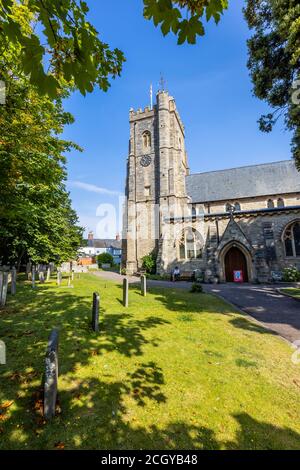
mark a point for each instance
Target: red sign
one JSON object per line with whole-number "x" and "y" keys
{"x": 238, "y": 276}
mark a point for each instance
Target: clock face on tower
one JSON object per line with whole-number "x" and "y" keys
{"x": 146, "y": 160}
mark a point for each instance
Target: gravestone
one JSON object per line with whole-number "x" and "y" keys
{"x": 4, "y": 289}
{"x": 41, "y": 277}
{"x": 59, "y": 278}
{"x": 33, "y": 277}
{"x": 48, "y": 274}
{"x": 13, "y": 286}
{"x": 2, "y": 353}
{"x": 144, "y": 285}
{"x": 28, "y": 268}
{"x": 125, "y": 292}
{"x": 51, "y": 376}
{"x": 1, "y": 285}
{"x": 95, "y": 311}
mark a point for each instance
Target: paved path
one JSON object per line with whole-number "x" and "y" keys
{"x": 276, "y": 311}
{"x": 134, "y": 280}
{"x": 264, "y": 303}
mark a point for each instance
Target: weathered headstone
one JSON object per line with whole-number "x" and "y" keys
{"x": 28, "y": 270}
{"x": 41, "y": 277}
{"x": 2, "y": 353}
{"x": 13, "y": 286}
{"x": 1, "y": 285}
{"x": 48, "y": 274}
{"x": 4, "y": 289}
{"x": 95, "y": 311}
{"x": 33, "y": 277}
{"x": 125, "y": 292}
{"x": 51, "y": 376}
{"x": 59, "y": 278}
{"x": 144, "y": 285}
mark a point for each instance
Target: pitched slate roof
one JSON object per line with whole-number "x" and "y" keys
{"x": 105, "y": 243}
{"x": 248, "y": 181}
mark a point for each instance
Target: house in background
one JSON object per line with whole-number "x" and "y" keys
{"x": 95, "y": 247}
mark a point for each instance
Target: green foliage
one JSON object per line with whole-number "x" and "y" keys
{"x": 60, "y": 47}
{"x": 149, "y": 263}
{"x": 67, "y": 52}
{"x": 274, "y": 62}
{"x": 105, "y": 258}
{"x": 291, "y": 274}
{"x": 36, "y": 218}
{"x": 196, "y": 288}
{"x": 184, "y": 17}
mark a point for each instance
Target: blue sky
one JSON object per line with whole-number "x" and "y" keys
{"x": 210, "y": 83}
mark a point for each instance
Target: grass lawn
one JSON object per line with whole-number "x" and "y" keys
{"x": 293, "y": 291}
{"x": 174, "y": 370}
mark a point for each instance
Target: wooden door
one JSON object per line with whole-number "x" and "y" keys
{"x": 235, "y": 260}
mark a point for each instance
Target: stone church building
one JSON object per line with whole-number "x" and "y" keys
{"x": 243, "y": 219}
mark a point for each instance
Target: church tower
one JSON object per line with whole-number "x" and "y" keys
{"x": 155, "y": 184}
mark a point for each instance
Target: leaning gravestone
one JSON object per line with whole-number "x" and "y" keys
{"x": 4, "y": 289}
{"x": 125, "y": 292}
{"x": 144, "y": 286}
{"x": 95, "y": 311}
{"x": 13, "y": 286}
{"x": 51, "y": 376}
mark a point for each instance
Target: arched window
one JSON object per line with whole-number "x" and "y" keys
{"x": 237, "y": 206}
{"x": 146, "y": 139}
{"x": 291, "y": 240}
{"x": 270, "y": 204}
{"x": 280, "y": 202}
{"x": 190, "y": 244}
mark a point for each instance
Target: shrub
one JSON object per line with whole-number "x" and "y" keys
{"x": 291, "y": 274}
{"x": 196, "y": 287}
{"x": 105, "y": 258}
{"x": 149, "y": 263}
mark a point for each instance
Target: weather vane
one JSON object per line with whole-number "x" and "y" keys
{"x": 162, "y": 83}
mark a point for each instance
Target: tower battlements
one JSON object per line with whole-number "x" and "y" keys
{"x": 163, "y": 102}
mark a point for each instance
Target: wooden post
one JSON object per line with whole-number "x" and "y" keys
{"x": 1, "y": 285}
{"x": 125, "y": 292}
{"x": 144, "y": 285}
{"x": 95, "y": 312}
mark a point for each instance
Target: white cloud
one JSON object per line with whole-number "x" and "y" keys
{"x": 93, "y": 188}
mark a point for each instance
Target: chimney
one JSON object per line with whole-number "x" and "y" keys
{"x": 90, "y": 238}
